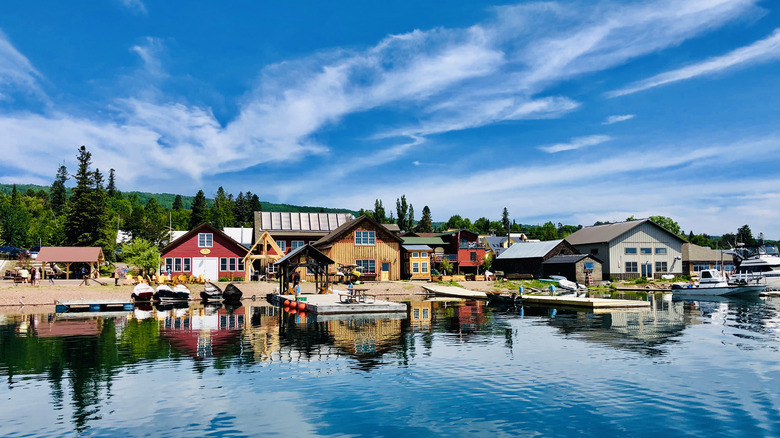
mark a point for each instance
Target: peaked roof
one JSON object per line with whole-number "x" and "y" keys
{"x": 200, "y": 228}
{"x": 309, "y": 250}
{"x": 569, "y": 258}
{"x": 607, "y": 232}
{"x": 349, "y": 226}
{"x": 70, "y": 254}
{"x": 300, "y": 222}
{"x": 528, "y": 250}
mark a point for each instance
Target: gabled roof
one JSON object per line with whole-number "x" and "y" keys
{"x": 495, "y": 242}
{"x": 414, "y": 240}
{"x": 300, "y": 222}
{"x": 528, "y": 250}
{"x": 392, "y": 227}
{"x": 608, "y": 232}
{"x": 199, "y": 229}
{"x": 351, "y": 225}
{"x": 310, "y": 251}
{"x": 242, "y": 235}
{"x": 70, "y": 254}
{"x": 569, "y": 258}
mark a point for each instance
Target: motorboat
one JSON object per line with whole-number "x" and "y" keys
{"x": 165, "y": 293}
{"x": 762, "y": 261}
{"x": 565, "y": 283}
{"x": 142, "y": 292}
{"x": 712, "y": 282}
{"x": 211, "y": 292}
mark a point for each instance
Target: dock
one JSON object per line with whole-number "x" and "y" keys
{"x": 589, "y": 303}
{"x": 93, "y": 305}
{"x": 324, "y": 304}
{"x": 452, "y": 291}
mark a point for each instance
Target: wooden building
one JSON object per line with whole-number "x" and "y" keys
{"x": 631, "y": 249}
{"x": 466, "y": 250}
{"x": 525, "y": 259}
{"x": 205, "y": 251}
{"x": 367, "y": 244}
{"x": 292, "y": 230}
{"x": 580, "y": 268}
{"x": 696, "y": 258}
{"x": 89, "y": 257}
{"x": 416, "y": 262}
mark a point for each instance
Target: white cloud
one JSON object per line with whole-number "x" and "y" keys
{"x": 617, "y": 118}
{"x": 763, "y": 50}
{"x": 576, "y": 143}
{"x": 16, "y": 71}
{"x": 149, "y": 52}
{"x": 136, "y": 6}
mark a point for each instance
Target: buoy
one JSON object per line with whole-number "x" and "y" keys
{"x": 286, "y": 308}
{"x": 302, "y": 314}
{"x": 293, "y": 311}
{"x": 286, "y": 302}
{"x": 301, "y": 306}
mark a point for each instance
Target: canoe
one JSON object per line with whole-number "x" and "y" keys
{"x": 165, "y": 293}
{"x": 452, "y": 291}
{"x": 211, "y": 292}
{"x": 142, "y": 292}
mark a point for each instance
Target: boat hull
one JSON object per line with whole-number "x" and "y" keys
{"x": 752, "y": 290}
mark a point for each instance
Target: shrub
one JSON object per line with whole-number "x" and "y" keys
{"x": 238, "y": 278}
{"x": 224, "y": 279}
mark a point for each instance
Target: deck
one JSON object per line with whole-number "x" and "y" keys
{"x": 590, "y": 303}
{"x": 323, "y": 304}
{"x": 93, "y": 305}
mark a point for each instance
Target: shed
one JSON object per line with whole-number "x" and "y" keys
{"x": 309, "y": 257}
{"x": 90, "y": 255}
{"x": 526, "y": 258}
{"x": 580, "y": 268}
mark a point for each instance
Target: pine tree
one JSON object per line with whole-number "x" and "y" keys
{"x": 505, "y": 220}
{"x": 58, "y": 197}
{"x": 379, "y": 213}
{"x": 222, "y": 210}
{"x": 87, "y": 218}
{"x": 426, "y": 224}
{"x": 254, "y": 205}
{"x": 111, "y": 190}
{"x": 411, "y": 218}
{"x": 177, "y": 203}
{"x": 402, "y": 209}
{"x": 200, "y": 212}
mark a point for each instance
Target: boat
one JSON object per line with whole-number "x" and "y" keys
{"x": 211, "y": 292}
{"x": 142, "y": 292}
{"x": 565, "y": 283}
{"x": 232, "y": 293}
{"x": 452, "y": 291}
{"x": 498, "y": 299}
{"x": 165, "y": 293}
{"x": 711, "y": 283}
{"x": 762, "y": 261}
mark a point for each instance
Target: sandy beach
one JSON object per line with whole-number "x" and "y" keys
{"x": 37, "y": 299}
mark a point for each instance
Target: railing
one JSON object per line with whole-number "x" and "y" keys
{"x": 450, "y": 257}
{"x": 472, "y": 245}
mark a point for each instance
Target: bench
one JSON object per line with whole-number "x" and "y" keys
{"x": 17, "y": 280}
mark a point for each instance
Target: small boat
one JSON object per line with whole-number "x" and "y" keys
{"x": 165, "y": 293}
{"x": 711, "y": 282}
{"x": 142, "y": 292}
{"x": 211, "y": 292}
{"x": 565, "y": 283}
{"x": 232, "y": 293}
{"x": 497, "y": 299}
{"x": 452, "y": 291}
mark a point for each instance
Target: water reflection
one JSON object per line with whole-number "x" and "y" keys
{"x": 81, "y": 356}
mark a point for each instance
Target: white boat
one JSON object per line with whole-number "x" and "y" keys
{"x": 763, "y": 261}
{"x": 452, "y": 291}
{"x": 564, "y": 283}
{"x": 711, "y": 282}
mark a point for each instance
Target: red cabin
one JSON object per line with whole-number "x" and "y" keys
{"x": 204, "y": 251}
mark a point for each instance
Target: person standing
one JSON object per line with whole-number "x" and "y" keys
{"x": 36, "y": 275}
{"x": 25, "y": 274}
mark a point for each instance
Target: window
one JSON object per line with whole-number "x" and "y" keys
{"x": 223, "y": 264}
{"x": 205, "y": 240}
{"x": 187, "y": 267}
{"x": 177, "y": 265}
{"x": 282, "y": 244}
{"x": 424, "y": 267}
{"x": 415, "y": 255}
{"x": 232, "y": 264}
{"x": 661, "y": 267}
{"x": 168, "y": 264}
{"x": 365, "y": 238}
{"x": 295, "y": 244}
{"x": 368, "y": 265}
{"x": 240, "y": 264}
{"x": 473, "y": 256}
{"x": 630, "y": 250}
{"x": 415, "y": 268}
{"x": 631, "y": 266}
{"x": 589, "y": 266}
{"x": 594, "y": 251}
{"x": 423, "y": 255}
{"x": 425, "y": 313}
{"x": 272, "y": 268}
{"x": 416, "y": 314}
{"x": 660, "y": 251}
{"x": 645, "y": 250}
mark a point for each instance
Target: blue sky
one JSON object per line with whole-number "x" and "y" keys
{"x": 572, "y": 111}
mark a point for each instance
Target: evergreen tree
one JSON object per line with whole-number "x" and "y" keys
{"x": 111, "y": 190}
{"x": 86, "y": 223}
{"x": 222, "y": 210}
{"x": 426, "y": 224}
{"x": 379, "y": 213}
{"x": 402, "y": 209}
{"x": 155, "y": 225}
{"x": 411, "y": 218}
{"x": 505, "y": 220}
{"x": 200, "y": 212}
{"x": 254, "y": 205}
{"x": 58, "y": 197}
{"x": 177, "y": 203}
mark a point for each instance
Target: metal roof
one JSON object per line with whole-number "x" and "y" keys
{"x": 529, "y": 250}
{"x": 70, "y": 254}
{"x": 310, "y": 251}
{"x": 292, "y": 221}
{"x": 417, "y": 247}
{"x": 412, "y": 240}
{"x": 568, "y": 258}
{"x": 495, "y": 242}
{"x": 607, "y": 232}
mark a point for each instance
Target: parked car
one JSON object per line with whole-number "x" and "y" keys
{"x": 34, "y": 252}
{"x": 12, "y": 252}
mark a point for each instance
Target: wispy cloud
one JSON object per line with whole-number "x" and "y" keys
{"x": 576, "y": 143}
{"x": 17, "y": 74}
{"x": 764, "y": 50}
{"x": 149, "y": 52}
{"x": 618, "y": 118}
{"x": 135, "y": 6}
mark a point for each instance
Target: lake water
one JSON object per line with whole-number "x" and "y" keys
{"x": 702, "y": 368}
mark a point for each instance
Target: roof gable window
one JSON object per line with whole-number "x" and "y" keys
{"x": 205, "y": 240}
{"x": 365, "y": 238}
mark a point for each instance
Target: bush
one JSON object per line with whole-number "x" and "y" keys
{"x": 224, "y": 279}
{"x": 238, "y": 278}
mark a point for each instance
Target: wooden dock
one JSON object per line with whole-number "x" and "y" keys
{"x": 93, "y": 305}
{"x": 590, "y": 303}
{"x": 323, "y": 304}
{"x": 455, "y": 292}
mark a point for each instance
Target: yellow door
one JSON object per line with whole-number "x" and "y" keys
{"x": 385, "y": 272}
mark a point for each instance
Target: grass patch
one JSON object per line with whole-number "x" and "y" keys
{"x": 449, "y": 283}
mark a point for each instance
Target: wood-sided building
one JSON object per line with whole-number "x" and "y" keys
{"x": 292, "y": 230}
{"x": 205, "y": 251}
{"x": 367, "y": 244}
{"x": 525, "y": 259}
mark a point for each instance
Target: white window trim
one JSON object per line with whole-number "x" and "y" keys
{"x": 207, "y": 243}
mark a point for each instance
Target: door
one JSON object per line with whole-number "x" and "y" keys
{"x": 647, "y": 270}
{"x": 385, "y": 271}
{"x": 206, "y": 266}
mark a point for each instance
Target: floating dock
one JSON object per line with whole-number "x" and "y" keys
{"x": 590, "y": 303}
{"x": 455, "y": 292}
{"x": 93, "y": 305}
{"x": 324, "y": 304}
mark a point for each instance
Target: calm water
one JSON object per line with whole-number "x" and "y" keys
{"x": 681, "y": 369}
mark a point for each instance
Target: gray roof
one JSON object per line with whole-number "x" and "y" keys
{"x": 568, "y": 258}
{"x": 495, "y": 242}
{"x": 288, "y": 221}
{"x": 416, "y": 247}
{"x": 529, "y": 250}
{"x": 696, "y": 253}
{"x": 606, "y": 233}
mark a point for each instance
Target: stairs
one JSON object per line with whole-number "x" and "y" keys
{"x": 590, "y": 278}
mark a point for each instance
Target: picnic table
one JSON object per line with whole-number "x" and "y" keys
{"x": 357, "y": 295}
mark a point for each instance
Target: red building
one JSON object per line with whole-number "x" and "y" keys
{"x": 205, "y": 251}
{"x": 466, "y": 250}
